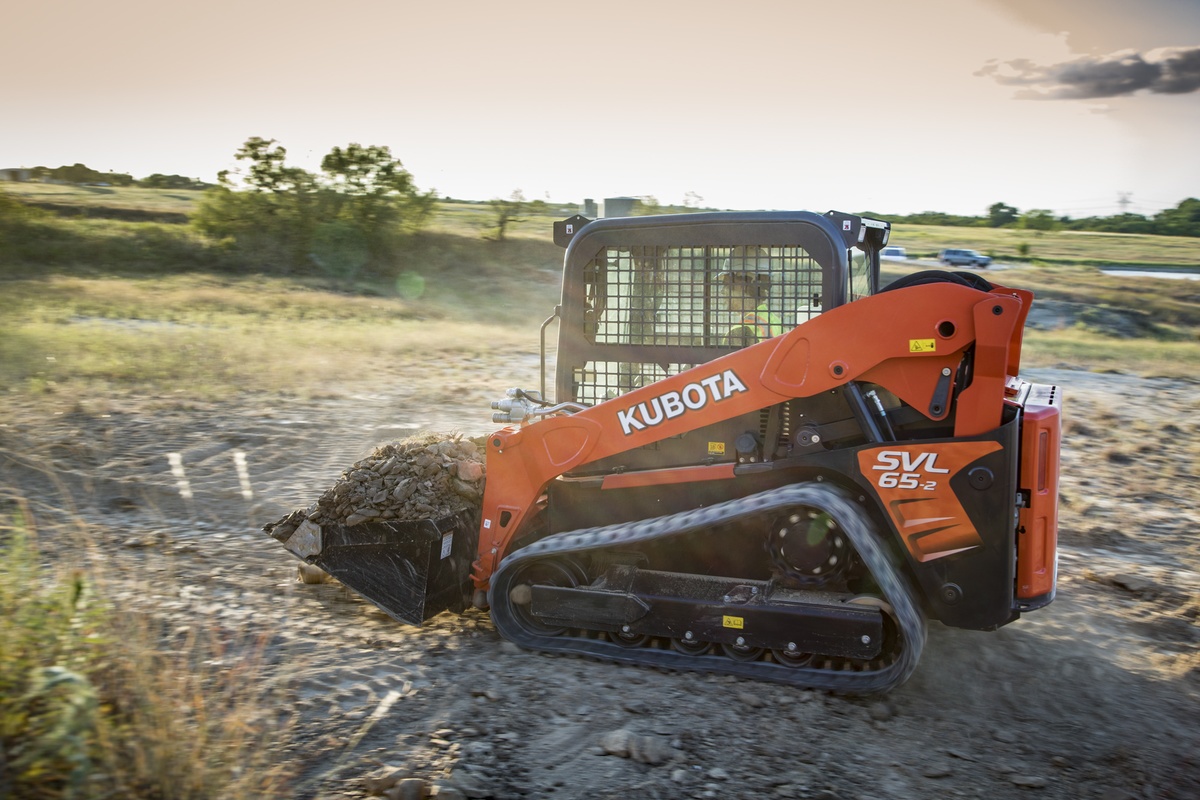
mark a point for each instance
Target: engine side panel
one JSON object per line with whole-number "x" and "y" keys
{"x": 951, "y": 506}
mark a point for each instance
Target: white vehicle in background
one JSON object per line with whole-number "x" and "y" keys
{"x": 893, "y": 253}
{"x": 964, "y": 258}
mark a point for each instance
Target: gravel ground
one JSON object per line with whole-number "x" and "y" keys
{"x": 1092, "y": 697}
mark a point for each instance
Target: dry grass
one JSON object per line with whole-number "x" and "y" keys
{"x": 1171, "y": 302}
{"x": 1081, "y": 349}
{"x": 194, "y": 714}
{"x": 214, "y": 337}
{"x": 475, "y": 220}
{"x": 176, "y": 201}
{"x": 103, "y": 700}
{"x": 222, "y": 360}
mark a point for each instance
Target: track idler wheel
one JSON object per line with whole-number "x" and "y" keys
{"x": 542, "y": 572}
{"x": 891, "y": 630}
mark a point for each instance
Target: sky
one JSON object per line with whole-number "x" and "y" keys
{"x": 1082, "y": 107}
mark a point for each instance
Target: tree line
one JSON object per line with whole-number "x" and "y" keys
{"x": 1183, "y": 220}
{"x": 82, "y": 174}
{"x": 362, "y": 200}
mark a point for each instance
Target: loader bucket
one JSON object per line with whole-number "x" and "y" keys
{"x": 411, "y": 570}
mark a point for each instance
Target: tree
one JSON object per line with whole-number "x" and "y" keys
{"x": 1119, "y": 223}
{"x": 647, "y": 205}
{"x": 1038, "y": 219}
{"x": 1001, "y": 214}
{"x": 940, "y": 218}
{"x": 370, "y": 189}
{"x": 160, "y": 181}
{"x": 267, "y": 171}
{"x": 267, "y": 209}
{"x": 507, "y": 211}
{"x": 367, "y": 186}
{"x": 77, "y": 173}
{"x": 368, "y": 173}
{"x": 1183, "y": 220}
{"x": 350, "y": 218}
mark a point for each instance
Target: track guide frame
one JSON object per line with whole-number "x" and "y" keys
{"x": 851, "y": 518}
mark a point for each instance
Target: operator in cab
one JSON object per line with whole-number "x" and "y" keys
{"x": 744, "y": 283}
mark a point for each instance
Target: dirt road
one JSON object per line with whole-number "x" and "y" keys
{"x": 1095, "y": 696}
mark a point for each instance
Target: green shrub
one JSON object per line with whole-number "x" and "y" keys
{"x": 47, "y": 707}
{"x": 96, "y": 702}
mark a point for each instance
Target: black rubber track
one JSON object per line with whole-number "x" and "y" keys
{"x": 851, "y": 518}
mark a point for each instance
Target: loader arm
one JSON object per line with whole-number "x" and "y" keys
{"x": 910, "y": 341}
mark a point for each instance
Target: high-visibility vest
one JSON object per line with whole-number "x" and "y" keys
{"x": 755, "y": 326}
{"x": 767, "y": 323}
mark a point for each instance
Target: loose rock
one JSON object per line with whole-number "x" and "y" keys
{"x": 640, "y": 748}
{"x": 469, "y": 785}
{"x": 383, "y": 779}
{"x": 881, "y": 711}
{"x": 447, "y": 791}
{"x": 408, "y": 789}
{"x": 416, "y": 478}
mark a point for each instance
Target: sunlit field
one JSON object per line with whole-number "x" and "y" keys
{"x": 179, "y": 201}
{"x": 210, "y": 339}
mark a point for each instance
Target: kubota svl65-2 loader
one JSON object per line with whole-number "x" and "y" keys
{"x": 756, "y": 462}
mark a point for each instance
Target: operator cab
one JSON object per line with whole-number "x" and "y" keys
{"x": 648, "y": 297}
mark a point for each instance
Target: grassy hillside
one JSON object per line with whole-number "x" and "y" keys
{"x": 181, "y": 201}
{"x": 111, "y": 306}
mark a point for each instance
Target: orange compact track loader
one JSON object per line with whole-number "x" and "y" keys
{"x": 757, "y": 462}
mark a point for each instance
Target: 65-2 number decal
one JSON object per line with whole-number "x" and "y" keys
{"x": 903, "y": 469}
{"x": 913, "y": 482}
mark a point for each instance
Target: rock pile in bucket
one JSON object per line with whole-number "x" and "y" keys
{"x": 424, "y": 476}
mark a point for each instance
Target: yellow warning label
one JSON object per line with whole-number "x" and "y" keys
{"x": 922, "y": 346}
{"x": 732, "y": 622}
{"x": 716, "y": 448}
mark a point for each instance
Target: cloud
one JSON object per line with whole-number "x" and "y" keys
{"x": 1165, "y": 70}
